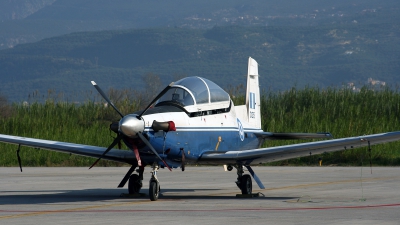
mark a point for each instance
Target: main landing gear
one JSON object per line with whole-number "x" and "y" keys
{"x": 243, "y": 182}
{"x": 135, "y": 183}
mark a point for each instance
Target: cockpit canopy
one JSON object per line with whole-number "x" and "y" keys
{"x": 195, "y": 91}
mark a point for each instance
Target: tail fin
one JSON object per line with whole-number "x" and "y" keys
{"x": 253, "y": 102}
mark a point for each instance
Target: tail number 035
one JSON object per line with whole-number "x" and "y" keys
{"x": 252, "y": 115}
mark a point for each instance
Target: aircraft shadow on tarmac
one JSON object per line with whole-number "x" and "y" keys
{"x": 69, "y": 196}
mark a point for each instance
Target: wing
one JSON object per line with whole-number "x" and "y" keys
{"x": 85, "y": 150}
{"x": 264, "y": 155}
{"x": 287, "y": 136}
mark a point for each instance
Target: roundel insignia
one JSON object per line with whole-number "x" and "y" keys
{"x": 241, "y": 131}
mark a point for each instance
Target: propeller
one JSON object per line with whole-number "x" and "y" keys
{"x": 152, "y": 149}
{"x": 116, "y": 141}
{"x": 131, "y": 126}
{"x": 114, "y": 128}
{"x": 156, "y": 98}
{"x": 106, "y": 98}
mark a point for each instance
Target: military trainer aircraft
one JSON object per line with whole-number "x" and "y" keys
{"x": 194, "y": 121}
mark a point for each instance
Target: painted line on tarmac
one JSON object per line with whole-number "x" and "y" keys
{"x": 329, "y": 183}
{"x": 315, "y": 184}
{"x": 34, "y": 213}
{"x": 81, "y": 209}
{"x": 88, "y": 209}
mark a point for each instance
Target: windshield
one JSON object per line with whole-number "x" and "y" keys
{"x": 179, "y": 95}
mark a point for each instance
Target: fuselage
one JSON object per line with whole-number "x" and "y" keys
{"x": 197, "y": 134}
{"x": 204, "y": 120}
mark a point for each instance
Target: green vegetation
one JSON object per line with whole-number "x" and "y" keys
{"x": 342, "y": 112}
{"x": 62, "y": 121}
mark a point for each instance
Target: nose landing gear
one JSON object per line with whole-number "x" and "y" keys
{"x": 154, "y": 184}
{"x": 135, "y": 183}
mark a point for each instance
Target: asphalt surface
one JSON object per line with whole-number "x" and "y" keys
{"x": 202, "y": 195}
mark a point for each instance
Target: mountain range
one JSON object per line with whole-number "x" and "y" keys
{"x": 119, "y": 42}
{"x": 24, "y": 21}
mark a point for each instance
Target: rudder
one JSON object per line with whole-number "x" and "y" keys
{"x": 253, "y": 102}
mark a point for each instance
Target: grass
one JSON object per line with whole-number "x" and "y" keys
{"x": 85, "y": 124}
{"x": 342, "y": 112}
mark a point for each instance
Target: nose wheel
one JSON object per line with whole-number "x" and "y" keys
{"x": 154, "y": 190}
{"x": 154, "y": 184}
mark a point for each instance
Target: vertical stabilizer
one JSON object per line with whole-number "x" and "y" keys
{"x": 253, "y": 95}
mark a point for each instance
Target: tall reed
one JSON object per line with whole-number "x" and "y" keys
{"x": 86, "y": 123}
{"x": 342, "y": 112}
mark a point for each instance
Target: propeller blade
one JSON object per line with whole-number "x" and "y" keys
{"x": 152, "y": 149}
{"x": 106, "y": 98}
{"x": 156, "y": 98}
{"x": 126, "y": 177}
{"x": 116, "y": 140}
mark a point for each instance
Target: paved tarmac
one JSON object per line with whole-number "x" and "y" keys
{"x": 202, "y": 195}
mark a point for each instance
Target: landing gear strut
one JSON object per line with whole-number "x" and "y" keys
{"x": 154, "y": 185}
{"x": 243, "y": 182}
{"x": 135, "y": 182}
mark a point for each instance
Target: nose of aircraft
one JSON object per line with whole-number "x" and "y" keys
{"x": 130, "y": 125}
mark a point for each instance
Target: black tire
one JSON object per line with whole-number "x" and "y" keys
{"x": 134, "y": 184}
{"x": 154, "y": 190}
{"x": 246, "y": 185}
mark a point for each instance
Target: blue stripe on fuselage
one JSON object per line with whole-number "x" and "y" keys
{"x": 196, "y": 141}
{"x": 253, "y": 130}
